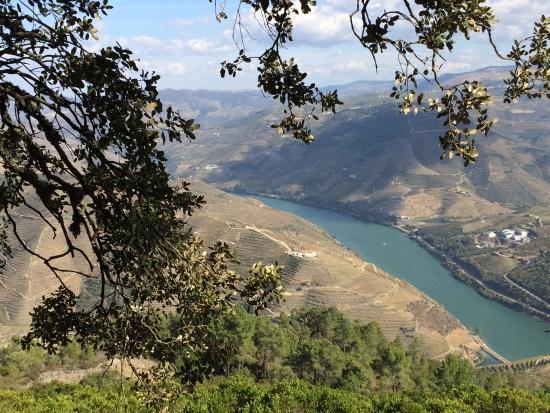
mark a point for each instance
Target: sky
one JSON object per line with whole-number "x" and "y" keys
{"x": 182, "y": 41}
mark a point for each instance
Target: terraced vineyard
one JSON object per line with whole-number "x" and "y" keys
{"x": 14, "y": 279}
{"x": 25, "y": 279}
{"x": 334, "y": 277}
{"x": 331, "y": 276}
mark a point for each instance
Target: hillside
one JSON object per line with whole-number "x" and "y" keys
{"x": 368, "y": 157}
{"x": 335, "y": 277}
{"x": 371, "y": 162}
{"x": 25, "y": 279}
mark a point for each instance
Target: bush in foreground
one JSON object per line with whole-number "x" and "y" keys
{"x": 241, "y": 394}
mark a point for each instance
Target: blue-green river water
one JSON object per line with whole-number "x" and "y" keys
{"x": 514, "y": 335}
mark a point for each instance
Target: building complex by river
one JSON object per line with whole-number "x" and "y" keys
{"x": 512, "y": 334}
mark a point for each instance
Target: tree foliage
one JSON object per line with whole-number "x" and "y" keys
{"x": 240, "y": 394}
{"x": 322, "y": 347}
{"x": 422, "y": 34}
{"x": 314, "y": 357}
{"x": 80, "y": 132}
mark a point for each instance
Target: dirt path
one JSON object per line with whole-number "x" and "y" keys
{"x": 263, "y": 232}
{"x": 536, "y": 297}
{"x": 256, "y": 229}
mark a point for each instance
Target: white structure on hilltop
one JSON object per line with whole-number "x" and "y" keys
{"x": 517, "y": 235}
{"x": 486, "y": 240}
{"x": 303, "y": 253}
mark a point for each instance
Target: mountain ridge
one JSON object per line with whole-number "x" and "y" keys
{"x": 369, "y": 160}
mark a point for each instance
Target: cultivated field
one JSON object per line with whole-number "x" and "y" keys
{"x": 25, "y": 279}
{"x": 335, "y": 277}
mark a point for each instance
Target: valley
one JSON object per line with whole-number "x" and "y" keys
{"x": 320, "y": 272}
{"x": 372, "y": 163}
{"x": 274, "y": 206}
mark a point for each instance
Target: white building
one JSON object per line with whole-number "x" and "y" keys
{"x": 507, "y": 233}
{"x": 521, "y": 232}
{"x": 517, "y": 235}
{"x": 303, "y": 253}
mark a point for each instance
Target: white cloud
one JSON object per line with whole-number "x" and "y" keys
{"x": 199, "y": 45}
{"x": 148, "y": 41}
{"x": 328, "y": 23}
{"x": 516, "y": 17}
{"x": 324, "y": 43}
{"x": 456, "y": 66}
{"x": 191, "y": 22}
{"x": 352, "y": 66}
{"x": 175, "y": 68}
{"x": 323, "y": 71}
{"x": 324, "y": 25}
{"x": 152, "y": 46}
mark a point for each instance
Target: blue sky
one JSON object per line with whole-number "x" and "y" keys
{"x": 183, "y": 42}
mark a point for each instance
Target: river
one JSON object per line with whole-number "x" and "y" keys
{"x": 512, "y": 334}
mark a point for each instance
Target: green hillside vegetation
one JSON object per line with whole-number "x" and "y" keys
{"x": 313, "y": 360}
{"x": 321, "y": 346}
{"x": 238, "y": 394}
{"x": 529, "y": 275}
{"x": 520, "y": 272}
{"x": 19, "y": 368}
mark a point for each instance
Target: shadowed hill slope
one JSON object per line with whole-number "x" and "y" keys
{"x": 369, "y": 157}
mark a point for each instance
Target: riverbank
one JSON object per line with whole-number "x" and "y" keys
{"x": 459, "y": 272}
{"x": 512, "y": 334}
{"x": 333, "y": 275}
{"x": 494, "y": 354}
{"x": 456, "y": 268}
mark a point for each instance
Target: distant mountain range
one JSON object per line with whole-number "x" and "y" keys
{"x": 213, "y": 107}
{"x": 371, "y": 158}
